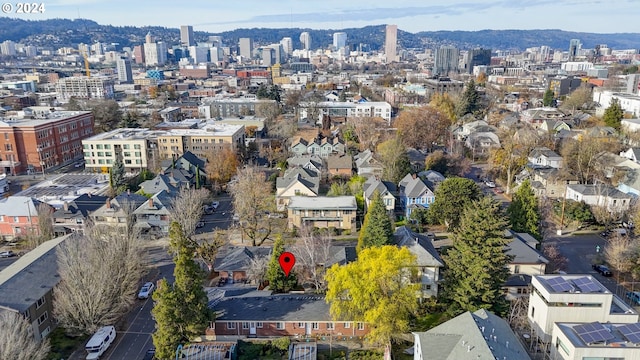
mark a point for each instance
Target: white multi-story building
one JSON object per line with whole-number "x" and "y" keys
{"x": 8, "y": 48}
{"x": 84, "y": 87}
{"x": 123, "y": 67}
{"x": 155, "y": 53}
{"x": 595, "y": 340}
{"x": 287, "y": 45}
{"x": 573, "y": 66}
{"x": 339, "y": 40}
{"x": 629, "y": 102}
{"x": 345, "y": 109}
{"x": 573, "y": 298}
{"x": 136, "y": 146}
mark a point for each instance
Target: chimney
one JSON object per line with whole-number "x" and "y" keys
{"x": 128, "y": 192}
{"x": 150, "y": 203}
{"x": 416, "y": 239}
{"x": 65, "y": 206}
{"x": 108, "y": 203}
{"x": 413, "y": 176}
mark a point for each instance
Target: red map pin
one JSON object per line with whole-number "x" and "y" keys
{"x": 287, "y": 260}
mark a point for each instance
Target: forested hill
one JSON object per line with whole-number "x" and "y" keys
{"x": 66, "y": 32}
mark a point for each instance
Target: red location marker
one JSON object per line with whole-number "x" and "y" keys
{"x": 287, "y": 260}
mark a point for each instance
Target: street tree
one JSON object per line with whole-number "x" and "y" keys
{"x": 117, "y": 181}
{"x": 423, "y": 127}
{"x": 446, "y": 105}
{"x": 579, "y": 99}
{"x": 377, "y": 228}
{"x": 469, "y": 101}
{"x": 279, "y": 282}
{"x": 509, "y": 159}
{"x": 452, "y": 195}
{"x": 17, "y": 341}
{"x": 222, "y": 164}
{"x": 187, "y": 207}
{"x": 557, "y": 261}
{"x": 44, "y": 231}
{"x": 252, "y": 200}
{"x": 580, "y": 157}
{"x": 180, "y": 309}
{"x": 547, "y": 98}
{"x": 524, "y": 212}
{"x": 618, "y": 255}
{"x": 375, "y": 289}
{"x": 110, "y": 260}
{"x": 394, "y": 158}
{"x": 207, "y": 250}
{"x": 477, "y": 262}
{"x": 106, "y": 114}
{"x": 367, "y": 130}
{"x": 313, "y": 251}
{"x": 613, "y": 114}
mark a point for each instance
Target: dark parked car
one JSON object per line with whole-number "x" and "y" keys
{"x": 150, "y": 355}
{"x": 602, "y": 269}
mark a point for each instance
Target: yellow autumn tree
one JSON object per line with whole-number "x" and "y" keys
{"x": 377, "y": 289}
{"x": 221, "y": 165}
{"x": 445, "y": 105}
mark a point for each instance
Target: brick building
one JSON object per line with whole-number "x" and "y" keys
{"x": 18, "y": 216}
{"x": 41, "y": 137}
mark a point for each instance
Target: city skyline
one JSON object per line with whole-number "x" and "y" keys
{"x": 594, "y": 16}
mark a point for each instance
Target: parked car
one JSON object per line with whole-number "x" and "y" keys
{"x": 634, "y": 296}
{"x": 79, "y": 164}
{"x": 199, "y": 224}
{"x": 7, "y": 254}
{"x": 490, "y": 184}
{"x": 146, "y": 290}
{"x": 215, "y": 204}
{"x": 150, "y": 354}
{"x": 602, "y": 269}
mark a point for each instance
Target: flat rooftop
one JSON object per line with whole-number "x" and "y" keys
{"x": 67, "y": 187}
{"x": 209, "y": 128}
{"x": 30, "y": 118}
{"x": 558, "y": 284}
{"x": 125, "y": 134}
{"x": 617, "y": 335}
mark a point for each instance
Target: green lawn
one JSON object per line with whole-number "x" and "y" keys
{"x": 62, "y": 346}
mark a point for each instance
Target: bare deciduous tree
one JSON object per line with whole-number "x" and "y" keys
{"x": 99, "y": 275}
{"x": 617, "y": 254}
{"x": 367, "y": 129}
{"x": 17, "y": 341}
{"x": 187, "y": 208}
{"x": 208, "y": 250}
{"x": 45, "y": 221}
{"x": 556, "y": 260}
{"x": 257, "y": 271}
{"x": 312, "y": 253}
{"x": 518, "y": 313}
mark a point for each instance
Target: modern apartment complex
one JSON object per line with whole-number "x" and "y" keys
{"x": 208, "y": 137}
{"x": 225, "y": 107}
{"x": 84, "y": 88}
{"x": 134, "y": 145}
{"x": 38, "y": 137}
{"x": 309, "y": 111}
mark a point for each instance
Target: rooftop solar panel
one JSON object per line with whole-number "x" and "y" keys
{"x": 631, "y": 332}
{"x": 559, "y": 284}
{"x": 587, "y": 285}
{"x": 593, "y": 333}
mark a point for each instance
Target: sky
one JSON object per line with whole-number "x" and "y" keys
{"x": 597, "y": 16}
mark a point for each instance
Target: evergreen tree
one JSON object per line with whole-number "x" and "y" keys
{"x": 377, "y": 229}
{"x": 180, "y": 309}
{"x": 197, "y": 178}
{"x": 523, "y": 211}
{"x": 452, "y": 195}
{"x": 278, "y": 281}
{"x": 547, "y": 99}
{"x": 477, "y": 263}
{"x": 469, "y": 101}
{"x": 613, "y": 114}
{"x": 116, "y": 176}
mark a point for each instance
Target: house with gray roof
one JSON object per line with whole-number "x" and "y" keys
{"x": 387, "y": 190}
{"x": 477, "y": 335}
{"x": 297, "y": 181}
{"x": 153, "y": 217}
{"x": 160, "y": 183}
{"x": 612, "y": 199}
{"x": 115, "y": 211}
{"x": 543, "y": 157}
{"x": 26, "y": 286}
{"x": 310, "y": 162}
{"x": 431, "y": 177}
{"x": 234, "y": 262}
{"x": 73, "y": 216}
{"x": 525, "y": 258}
{"x": 337, "y": 212}
{"x": 428, "y": 259}
{"x": 366, "y": 164}
{"x": 414, "y": 193}
{"x": 18, "y": 216}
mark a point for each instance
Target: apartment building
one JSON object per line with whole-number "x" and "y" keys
{"x": 209, "y": 136}
{"x": 84, "y": 88}
{"x": 214, "y": 107}
{"x": 596, "y": 340}
{"x": 136, "y": 146}
{"x": 574, "y": 299}
{"x": 314, "y": 112}
{"x": 39, "y": 137}
{"x": 323, "y": 212}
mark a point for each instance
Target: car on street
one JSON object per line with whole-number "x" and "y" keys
{"x": 7, "y": 254}
{"x": 634, "y": 296}
{"x": 200, "y": 224}
{"x": 150, "y": 354}
{"x": 78, "y": 164}
{"x": 490, "y": 184}
{"x": 602, "y": 269}
{"x": 146, "y": 290}
{"x": 215, "y": 204}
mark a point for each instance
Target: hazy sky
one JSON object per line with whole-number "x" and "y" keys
{"x": 599, "y": 16}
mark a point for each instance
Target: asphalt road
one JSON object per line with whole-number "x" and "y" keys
{"x": 221, "y": 217}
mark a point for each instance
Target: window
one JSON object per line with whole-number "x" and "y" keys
{"x": 127, "y": 154}
{"x": 99, "y": 146}
{"x": 16, "y": 219}
{"x": 279, "y": 326}
{"x": 259, "y": 325}
{"x": 137, "y": 146}
{"x": 231, "y": 325}
{"x": 301, "y": 325}
{"x": 426, "y": 287}
{"x": 43, "y": 318}
{"x": 516, "y": 269}
{"x": 315, "y": 326}
{"x": 330, "y": 326}
{"x": 245, "y": 325}
{"x": 533, "y": 311}
{"x": 8, "y": 147}
{"x": 360, "y": 326}
{"x": 6, "y": 136}
{"x": 347, "y": 325}
{"x": 125, "y": 146}
{"x": 40, "y": 302}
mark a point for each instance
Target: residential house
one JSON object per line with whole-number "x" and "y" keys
{"x": 632, "y": 153}
{"x": 276, "y": 315}
{"x": 340, "y": 165}
{"x": 431, "y": 177}
{"x": 187, "y": 161}
{"x": 73, "y": 216}
{"x": 26, "y": 286}
{"x": 414, "y": 193}
{"x": 117, "y": 211}
{"x": 517, "y": 286}
{"x": 544, "y": 157}
{"x": 462, "y": 132}
{"x": 477, "y": 335}
{"x": 367, "y": 164}
{"x": 153, "y": 217}
{"x": 296, "y": 182}
{"x": 310, "y": 162}
{"x": 596, "y": 340}
{"x": 387, "y": 190}
{"x": 550, "y": 182}
{"x": 611, "y": 164}
{"x": 526, "y": 260}
{"x": 321, "y": 146}
{"x": 184, "y": 170}
{"x": 416, "y": 159}
{"x": 554, "y": 126}
{"x": 482, "y": 142}
{"x": 630, "y": 183}
{"x": 613, "y": 200}
{"x": 323, "y": 212}
{"x": 160, "y": 183}
{"x": 428, "y": 260}
{"x": 18, "y": 216}
{"x": 341, "y": 255}
{"x": 537, "y": 116}
{"x": 235, "y": 262}
{"x": 573, "y": 298}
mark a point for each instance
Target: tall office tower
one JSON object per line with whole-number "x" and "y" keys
{"x": 162, "y": 53}
{"x": 8, "y": 47}
{"x": 138, "y": 54}
{"x": 475, "y": 57}
{"x": 446, "y": 60}
{"x": 339, "y": 40}
{"x": 246, "y": 47}
{"x": 198, "y": 54}
{"x": 545, "y": 53}
{"x": 84, "y": 49}
{"x": 268, "y": 56}
{"x": 30, "y": 51}
{"x": 216, "y": 40}
{"x": 148, "y": 38}
{"x": 96, "y": 49}
{"x": 287, "y": 45}
{"x": 186, "y": 35}
{"x": 390, "y": 43}
{"x": 305, "y": 39}
{"x": 574, "y": 48}
{"x": 155, "y": 54}
{"x": 216, "y": 54}
{"x": 123, "y": 67}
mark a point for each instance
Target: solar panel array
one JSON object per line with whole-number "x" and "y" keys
{"x": 631, "y": 332}
{"x": 559, "y": 284}
{"x": 593, "y": 333}
{"x": 587, "y": 285}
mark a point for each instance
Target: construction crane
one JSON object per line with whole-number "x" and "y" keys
{"x": 86, "y": 64}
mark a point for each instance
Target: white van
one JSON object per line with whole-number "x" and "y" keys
{"x": 100, "y": 342}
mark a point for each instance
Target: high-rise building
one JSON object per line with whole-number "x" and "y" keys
{"x": 246, "y": 47}
{"x": 268, "y": 56}
{"x": 155, "y": 53}
{"x": 123, "y": 67}
{"x": 287, "y": 45}
{"x": 216, "y": 54}
{"x": 574, "y": 48}
{"x": 390, "y": 43}
{"x": 198, "y": 54}
{"x": 446, "y": 60}
{"x": 186, "y": 35}
{"x": 8, "y": 48}
{"x": 216, "y": 40}
{"x": 97, "y": 49}
{"x": 339, "y": 40}
{"x": 83, "y": 87}
{"x": 305, "y": 39}
{"x": 475, "y": 57}
{"x": 148, "y": 38}
{"x": 138, "y": 54}
{"x": 30, "y": 51}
